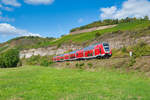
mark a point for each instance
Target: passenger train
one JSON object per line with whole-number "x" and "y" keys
{"x": 99, "y": 50}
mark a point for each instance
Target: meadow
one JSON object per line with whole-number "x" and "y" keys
{"x": 47, "y": 83}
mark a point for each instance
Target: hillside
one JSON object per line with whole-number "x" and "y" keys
{"x": 25, "y": 43}
{"x": 124, "y": 34}
{"x": 87, "y": 37}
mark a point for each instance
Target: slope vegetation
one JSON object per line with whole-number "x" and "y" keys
{"x": 90, "y": 36}
{"x": 25, "y": 43}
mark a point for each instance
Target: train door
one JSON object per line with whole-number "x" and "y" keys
{"x": 97, "y": 51}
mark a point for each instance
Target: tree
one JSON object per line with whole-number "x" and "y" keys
{"x": 146, "y": 18}
{"x": 10, "y": 58}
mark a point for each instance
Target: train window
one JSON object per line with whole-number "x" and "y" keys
{"x": 100, "y": 50}
{"x": 77, "y": 54}
{"x": 105, "y": 44}
{"x": 107, "y": 48}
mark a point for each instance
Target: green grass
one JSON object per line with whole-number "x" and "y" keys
{"x": 44, "y": 83}
{"x": 79, "y": 38}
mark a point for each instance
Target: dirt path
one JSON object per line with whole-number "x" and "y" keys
{"x": 93, "y": 29}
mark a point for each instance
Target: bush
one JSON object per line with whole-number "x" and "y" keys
{"x": 38, "y": 60}
{"x": 90, "y": 65}
{"x": 97, "y": 34}
{"x": 148, "y": 27}
{"x": 77, "y": 65}
{"x": 132, "y": 61}
{"x": 124, "y": 49}
{"x": 67, "y": 64}
{"x": 141, "y": 49}
{"x": 9, "y": 59}
{"x": 34, "y": 60}
{"x": 82, "y": 64}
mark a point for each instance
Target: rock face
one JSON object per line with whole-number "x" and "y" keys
{"x": 48, "y": 51}
{"x": 122, "y": 39}
{"x": 116, "y": 40}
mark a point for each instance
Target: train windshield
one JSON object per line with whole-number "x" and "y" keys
{"x": 106, "y": 46}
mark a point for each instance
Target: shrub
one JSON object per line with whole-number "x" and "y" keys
{"x": 82, "y": 64}
{"x": 38, "y": 60}
{"x": 132, "y": 61}
{"x": 59, "y": 45}
{"x": 77, "y": 65}
{"x": 97, "y": 34}
{"x": 34, "y": 60}
{"x": 67, "y": 64}
{"x": 124, "y": 49}
{"x": 90, "y": 65}
{"x": 141, "y": 49}
{"x": 148, "y": 27}
{"x": 44, "y": 62}
{"x": 9, "y": 59}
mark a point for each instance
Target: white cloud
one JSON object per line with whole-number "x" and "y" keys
{"x": 11, "y": 2}
{"x": 37, "y": 2}
{"x": 130, "y": 8}
{"x": 6, "y": 8}
{"x": 8, "y": 30}
{"x": 80, "y": 20}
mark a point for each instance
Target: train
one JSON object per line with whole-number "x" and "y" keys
{"x": 99, "y": 50}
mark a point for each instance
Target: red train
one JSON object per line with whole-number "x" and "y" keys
{"x": 99, "y": 50}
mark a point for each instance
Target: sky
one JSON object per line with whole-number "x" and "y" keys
{"x": 53, "y": 18}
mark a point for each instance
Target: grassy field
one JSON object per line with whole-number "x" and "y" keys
{"x": 45, "y": 83}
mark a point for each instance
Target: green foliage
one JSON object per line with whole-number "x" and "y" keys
{"x": 59, "y": 45}
{"x": 146, "y": 18}
{"x": 90, "y": 65}
{"x": 67, "y": 64}
{"x": 124, "y": 49}
{"x": 82, "y": 64}
{"x": 79, "y": 65}
{"x": 3, "y": 48}
{"x": 10, "y": 58}
{"x": 132, "y": 61}
{"x": 97, "y": 34}
{"x": 148, "y": 27}
{"x": 38, "y": 60}
{"x": 141, "y": 49}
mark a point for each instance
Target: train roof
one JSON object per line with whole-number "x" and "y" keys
{"x": 89, "y": 47}
{"x": 72, "y": 52}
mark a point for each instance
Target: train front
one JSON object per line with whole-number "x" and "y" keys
{"x": 108, "y": 51}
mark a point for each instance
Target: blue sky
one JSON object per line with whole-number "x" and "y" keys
{"x": 53, "y": 18}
